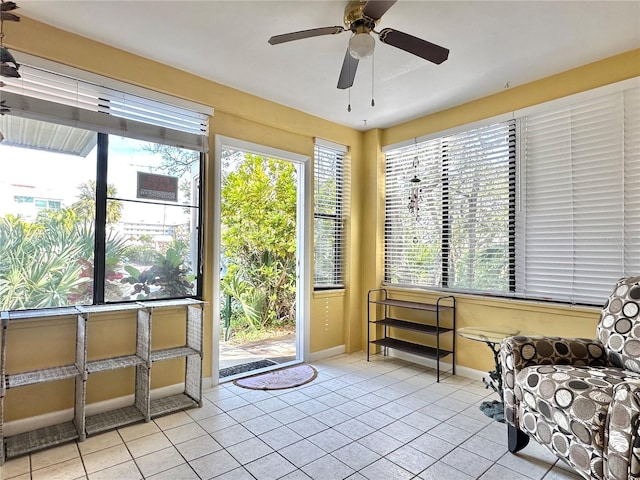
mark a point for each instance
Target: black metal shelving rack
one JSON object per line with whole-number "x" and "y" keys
{"x": 431, "y": 327}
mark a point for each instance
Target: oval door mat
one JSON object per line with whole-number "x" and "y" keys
{"x": 279, "y": 379}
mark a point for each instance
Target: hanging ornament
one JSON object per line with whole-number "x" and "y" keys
{"x": 414, "y": 195}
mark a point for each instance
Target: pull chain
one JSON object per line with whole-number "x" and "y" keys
{"x": 349, "y": 107}
{"x": 373, "y": 78}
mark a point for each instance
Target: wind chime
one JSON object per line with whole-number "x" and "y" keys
{"x": 415, "y": 190}
{"x": 8, "y": 65}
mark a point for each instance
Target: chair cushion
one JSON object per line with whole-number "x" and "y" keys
{"x": 619, "y": 326}
{"x": 565, "y": 408}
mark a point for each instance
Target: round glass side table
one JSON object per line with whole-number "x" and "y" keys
{"x": 492, "y": 338}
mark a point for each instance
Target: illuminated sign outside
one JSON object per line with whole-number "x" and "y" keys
{"x": 157, "y": 187}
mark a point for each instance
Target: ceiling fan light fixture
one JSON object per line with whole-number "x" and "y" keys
{"x": 361, "y": 45}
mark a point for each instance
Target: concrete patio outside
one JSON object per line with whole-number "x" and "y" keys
{"x": 280, "y": 349}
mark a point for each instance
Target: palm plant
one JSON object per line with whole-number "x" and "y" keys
{"x": 38, "y": 266}
{"x": 168, "y": 277}
{"x": 249, "y": 299}
{"x": 116, "y": 250}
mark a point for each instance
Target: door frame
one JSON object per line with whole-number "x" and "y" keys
{"x": 303, "y": 220}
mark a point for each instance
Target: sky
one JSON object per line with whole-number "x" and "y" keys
{"x": 58, "y": 175}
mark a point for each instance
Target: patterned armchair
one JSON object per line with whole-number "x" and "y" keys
{"x": 579, "y": 397}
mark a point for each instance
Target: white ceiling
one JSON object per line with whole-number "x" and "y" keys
{"x": 492, "y": 43}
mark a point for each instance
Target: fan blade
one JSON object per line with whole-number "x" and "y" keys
{"x": 348, "y": 72}
{"x": 427, "y": 50}
{"x": 9, "y": 17}
{"x": 314, "y": 32}
{"x": 375, "y": 9}
{"x": 6, "y": 6}
{"x": 8, "y": 71}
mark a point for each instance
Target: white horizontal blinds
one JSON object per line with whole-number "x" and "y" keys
{"x": 571, "y": 242}
{"x": 632, "y": 182}
{"x": 127, "y": 115}
{"x": 330, "y": 213}
{"x": 413, "y": 238}
{"x": 480, "y": 171}
{"x": 459, "y": 233}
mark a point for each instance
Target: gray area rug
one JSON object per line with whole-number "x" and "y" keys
{"x": 245, "y": 367}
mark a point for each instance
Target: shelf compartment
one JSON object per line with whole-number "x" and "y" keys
{"x": 414, "y": 348}
{"x": 102, "y": 422}
{"x": 40, "y": 439}
{"x": 113, "y": 363}
{"x": 169, "y": 353}
{"x": 173, "y": 403}
{"x": 41, "y": 376}
{"x": 416, "y": 327}
{"x": 427, "y": 307}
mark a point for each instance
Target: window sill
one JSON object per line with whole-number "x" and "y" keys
{"x": 502, "y": 302}
{"x": 338, "y": 292}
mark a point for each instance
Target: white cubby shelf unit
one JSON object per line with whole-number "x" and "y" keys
{"x": 144, "y": 408}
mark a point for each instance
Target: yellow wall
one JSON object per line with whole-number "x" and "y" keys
{"x": 337, "y": 318}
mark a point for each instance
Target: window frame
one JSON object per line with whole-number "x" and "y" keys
{"x": 101, "y": 226}
{"x": 59, "y": 95}
{"x": 338, "y": 218}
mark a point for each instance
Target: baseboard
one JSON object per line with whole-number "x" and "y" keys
{"x": 53, "y": 418}
{"x": 462, "y": 371}
{"x": 329, "y": 352}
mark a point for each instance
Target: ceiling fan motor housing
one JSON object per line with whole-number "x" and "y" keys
{"x": 355, "y": 20}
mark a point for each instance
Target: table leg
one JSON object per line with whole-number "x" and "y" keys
{"x": 494, "y": 408}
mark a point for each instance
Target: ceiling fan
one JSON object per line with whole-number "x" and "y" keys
{"x": 361, "y": 18}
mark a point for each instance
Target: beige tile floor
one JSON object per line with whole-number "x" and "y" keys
{"x": 379, "y": 420}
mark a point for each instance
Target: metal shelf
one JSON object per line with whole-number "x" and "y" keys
{"x": 416, "y": 327}
{"x": 428, "y": 307}
{"x": 414, "y": 348}
{"x": 430, "y": 323}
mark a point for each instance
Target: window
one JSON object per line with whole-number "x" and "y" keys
{"x": 330, "y": 193}
{"x": 449, "y": 211}
{"x": 580, "y": 198}
{"x": 562, "y": 226}
{"x": 101, "y": 195}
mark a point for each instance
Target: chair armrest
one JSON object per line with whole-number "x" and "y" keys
{"x": 622, "y": 446}
{"x": 519, "y": 352}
